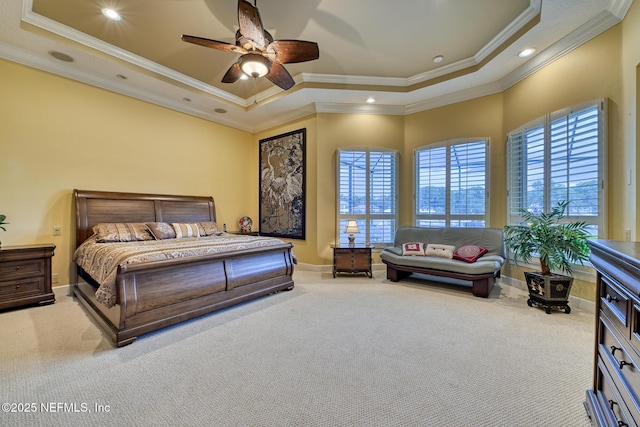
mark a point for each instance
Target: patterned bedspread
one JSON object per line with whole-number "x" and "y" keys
{"x": 101, "y": 260}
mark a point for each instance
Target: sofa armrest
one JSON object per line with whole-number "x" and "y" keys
{"x": 393, "y": 250}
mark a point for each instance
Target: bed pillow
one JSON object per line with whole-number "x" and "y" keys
{"x": 440, "y": 250}
{"x": 469, "y": 253}
{"x": 161, "y": 230}
{"x": 185, "y": 229}
{"x": 121, "y": 232}
{"x": 208, "y": 228}
{"x": 413, "y": 249}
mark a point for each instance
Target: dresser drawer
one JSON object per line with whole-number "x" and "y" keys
{"x": 12, "y": 288}
{"x": 18, "y": 269}
{"x": 615, "y": 303}
{"x": 621, "y": 362}
{"x": 612, "y": 403}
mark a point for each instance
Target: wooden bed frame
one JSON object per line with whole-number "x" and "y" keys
{"x": 153, "y": 295}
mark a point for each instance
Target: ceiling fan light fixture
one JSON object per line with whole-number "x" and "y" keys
{"x": 255, "y": 66}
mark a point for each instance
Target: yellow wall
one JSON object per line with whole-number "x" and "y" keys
{"x": 340, "y": 131}
{"x": 57, "y": 135}
{"x": 478, "y": 118}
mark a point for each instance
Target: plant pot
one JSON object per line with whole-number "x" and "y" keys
{"x": 551, "y": 291}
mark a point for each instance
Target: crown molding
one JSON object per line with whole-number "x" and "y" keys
{"x": 453, "y": 98}
{"x": 69, "y": 33}
{"x": 339, "y": 108}
{"x": 594, "y": 27}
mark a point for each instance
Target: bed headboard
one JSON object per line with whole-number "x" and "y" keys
{"x": 94, "y": 207}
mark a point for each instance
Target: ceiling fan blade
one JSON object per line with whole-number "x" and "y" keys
{"x": 213, "y": 44}
{"x": 233, "y": 74}
{"x": 290, "y": 51}
{"x": 280, "y": 76}
{"x": 251, "y": 24}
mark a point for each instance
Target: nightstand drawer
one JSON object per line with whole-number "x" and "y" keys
{"x": 25, "y": 275}
{"x": 18, "y": 269}
{"x": 23, "y": 286}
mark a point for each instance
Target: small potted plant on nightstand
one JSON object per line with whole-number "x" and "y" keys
{"x": 2, "y": 218}
{"x": 558, "y": 246}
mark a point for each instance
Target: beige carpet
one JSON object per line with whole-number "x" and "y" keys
{"x": 333, "y": 352}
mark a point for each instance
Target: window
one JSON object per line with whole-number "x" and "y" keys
{"x": 367, "y": 192}
{"x": 560, "y": 157}
{"x": 451, "y": 184}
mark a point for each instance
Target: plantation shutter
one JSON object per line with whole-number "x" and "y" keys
{"x": 560, "y": 157}
{"x": 467, "y": 180}
{"x": 451, "y": 185}
{"x": 574, "y": 162}
{"x": 367, "y": 188}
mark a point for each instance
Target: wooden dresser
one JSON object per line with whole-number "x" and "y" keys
{"x": 615, "y": 397}
{"x": 352, "y": 258}
{"x": 25, "y": 275}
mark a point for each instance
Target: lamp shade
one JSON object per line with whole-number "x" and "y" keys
{"x": 254, "y": 65}
{"x": 352, "y": 227}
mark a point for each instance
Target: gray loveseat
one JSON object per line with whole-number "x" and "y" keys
{"x": 481, "y": 273}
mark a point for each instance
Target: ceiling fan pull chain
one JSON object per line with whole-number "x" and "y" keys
{"x": 255, "y": 94}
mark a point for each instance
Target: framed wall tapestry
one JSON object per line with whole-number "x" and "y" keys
{"x": 282, "y": 185}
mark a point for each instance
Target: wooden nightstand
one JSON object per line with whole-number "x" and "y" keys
{"x": 355, "y": 258}
{"x": 25, "y": 275}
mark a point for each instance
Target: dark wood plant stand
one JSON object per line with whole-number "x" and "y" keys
{"x": 551, "y": 291}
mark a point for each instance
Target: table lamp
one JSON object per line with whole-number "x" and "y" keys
{"x": 352, "y": 227}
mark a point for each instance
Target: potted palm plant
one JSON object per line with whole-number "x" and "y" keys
{"x": 558, "y": 245}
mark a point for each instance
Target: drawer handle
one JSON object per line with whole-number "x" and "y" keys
{"x": 622, "y": 363}
{"x": 610, "y": 298}
{"x": 620, "y": 423}
{"x": 18, "y": 268}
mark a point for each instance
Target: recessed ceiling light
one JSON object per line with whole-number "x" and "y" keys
{"x": 371, "y": 100}
{"x": 526, "y": 52}
{"x": 220, "y": 110}
{"x": 111, "y": 14}
{"x": 61, "y": 56}
{"x": 438, "y": 58}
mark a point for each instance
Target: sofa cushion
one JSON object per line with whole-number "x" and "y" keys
{"x": 413, "y": 249}
{"x": 440, "y": 250}
{"x": 469, "y": 253}
{"x": 483, "y": 266}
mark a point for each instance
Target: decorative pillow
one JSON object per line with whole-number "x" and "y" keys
{"x": 440, "y": 250}
{"x": 161, "y": 230}
{"x": 121, "y": 232}
{"x": 413, "y": 248}
{"x": 185, "y": 230}
{"x": 469, "y": 253}
{"x": 208, "y": 228}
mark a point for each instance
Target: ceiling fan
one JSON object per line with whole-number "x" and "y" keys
{"x": 261, "y": 55}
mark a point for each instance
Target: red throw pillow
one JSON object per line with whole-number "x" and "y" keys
{"x": 469, "y": 253}
{"x": 413, "y": 248}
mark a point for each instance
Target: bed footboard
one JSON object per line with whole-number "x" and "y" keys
{"x": 158, "y": 294}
